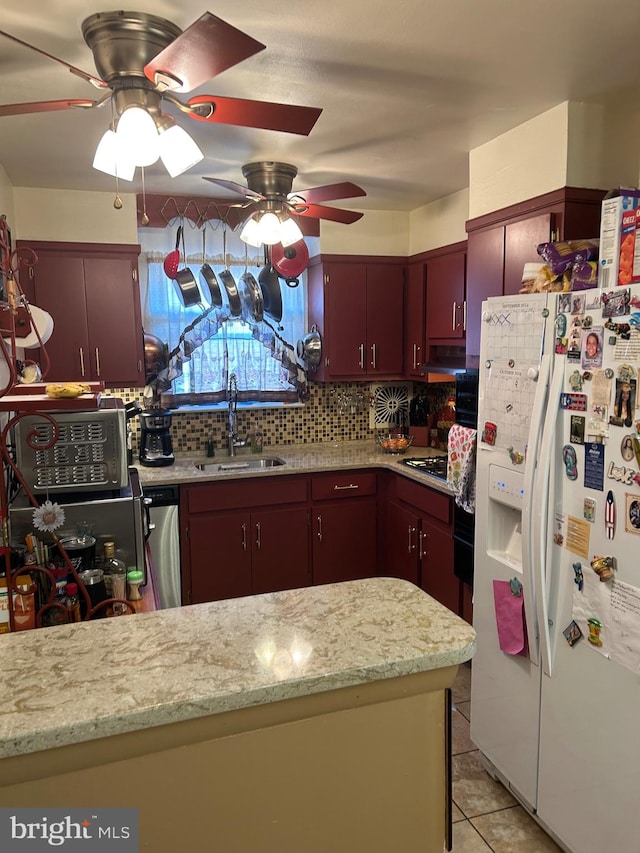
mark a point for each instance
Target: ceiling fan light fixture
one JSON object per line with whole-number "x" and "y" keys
{"x": 178, "y": 151}
{"x": 111, "y": 158}
{"x": 290, "y": 232}
{"x": 250, "y": 233}
{"x": 269, "y": 226}
{"x": 138, "y": 135}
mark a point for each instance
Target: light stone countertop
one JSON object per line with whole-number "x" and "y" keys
{"x": 299, "y": 459}
{"x": 80, "y": 682}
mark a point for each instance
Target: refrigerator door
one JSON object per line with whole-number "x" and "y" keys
{"x": 515, "y": 363}
{"x": 589, "y": 762}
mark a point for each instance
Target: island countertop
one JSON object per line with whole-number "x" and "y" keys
{"x": 75, "y": 683}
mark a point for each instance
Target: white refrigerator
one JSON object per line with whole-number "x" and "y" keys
{"x": 555, "y": 690}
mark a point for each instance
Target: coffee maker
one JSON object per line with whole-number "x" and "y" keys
{"x": 156, "y": 448}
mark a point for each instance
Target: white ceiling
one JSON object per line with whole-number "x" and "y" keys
{"x": 407, "y": 87}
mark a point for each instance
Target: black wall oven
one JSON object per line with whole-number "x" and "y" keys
{"x": 464, "y": 522}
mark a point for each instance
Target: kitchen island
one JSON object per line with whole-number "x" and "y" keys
{"x": 304, "y": 720}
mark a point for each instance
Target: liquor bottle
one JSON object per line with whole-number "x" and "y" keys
{"x": 115, "y": 572}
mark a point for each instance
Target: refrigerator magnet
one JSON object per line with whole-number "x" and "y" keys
{"x": 570, "y": 462}
{"x": 572, "y": 633}
{"x": 589, "y": 510}
{"x": 632, "y": 516}
{"x": 578, "y": 576}
{"x": 595, "y": 629}
{"x": 610, "y": 515}
{"x": 489, "y": 433}
{"x": 576, "y": 433}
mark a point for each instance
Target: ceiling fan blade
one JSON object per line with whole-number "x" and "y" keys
{"x": 335, "y": 214}
{"x": 205, "y": 49}
{"x": 90, "y": 78}
{"x": 263, "y": 114}
{"x": 329, "y": 192}
{"x": 43, "y": 107}
{"x": 236, "y": 188}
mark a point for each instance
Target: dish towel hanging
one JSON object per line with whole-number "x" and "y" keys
{"x": 461, "y": 466}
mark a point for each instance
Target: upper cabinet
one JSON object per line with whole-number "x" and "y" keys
{"x": 502, "y": 242}
{"x": 446, "y": 308}
{"x": 91, "y": 290}
{"x": 358, "y": 308}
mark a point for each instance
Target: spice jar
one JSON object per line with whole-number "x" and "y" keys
{"x": 134, "y": 580}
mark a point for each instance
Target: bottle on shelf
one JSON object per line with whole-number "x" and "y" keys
{"x": 73, "y": 602}
{"x": 115, "y": 571}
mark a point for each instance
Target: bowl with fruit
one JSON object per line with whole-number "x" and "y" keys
{"x": 393, "y": 442}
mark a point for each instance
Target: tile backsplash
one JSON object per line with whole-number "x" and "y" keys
{"x": 333, "y": 412}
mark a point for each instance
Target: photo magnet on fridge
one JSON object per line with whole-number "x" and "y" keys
{"x": 577, "y": 430}
{"x": 572, "y": 633}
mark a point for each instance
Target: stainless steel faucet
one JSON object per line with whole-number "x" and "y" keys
{"x": 232, "y": 397}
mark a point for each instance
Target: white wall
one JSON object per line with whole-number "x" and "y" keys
{"x": 379, "y": 232}
{"x": 73, "y": 216}
{"x": 440, "y": 223}
{"x": 525, "y": 162}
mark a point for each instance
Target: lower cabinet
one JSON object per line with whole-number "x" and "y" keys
{"x": 344, "y": 514}
{"x": 418, "y": 543}
{"x": 245, "y": 537}
{"x": 243, "y": 540}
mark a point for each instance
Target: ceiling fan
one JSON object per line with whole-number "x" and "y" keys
{"x": 142, "y": 59}
{"x": 269, "y": 194}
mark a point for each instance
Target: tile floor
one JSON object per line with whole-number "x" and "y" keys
{"x": 486, "y": 817}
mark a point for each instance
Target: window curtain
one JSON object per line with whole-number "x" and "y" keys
{"x": 205, "y": 343}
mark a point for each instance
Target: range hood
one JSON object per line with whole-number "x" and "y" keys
{"x": 445, "y": 359}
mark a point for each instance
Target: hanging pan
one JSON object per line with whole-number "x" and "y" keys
{"x": 186, "y": 285}
{"x": 251, "y": 296}
{"x": 309, "y": 349}
{"x": 291, "y": 262}
{"x": 229, "y": 282}
{"x": 208, "y": 277}
{"x": 270, "y": 287}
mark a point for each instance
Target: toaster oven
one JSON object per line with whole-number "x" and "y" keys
{"x": 90, "y": 453}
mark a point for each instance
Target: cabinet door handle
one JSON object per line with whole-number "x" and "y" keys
{"x": 422, "y": 552}
{"x": 411, "y": 547}
{"x": 81, "y": 361}
{"x": 258, "y": 543}
{"x": 464, "y": 316}
{"x": 243, "y": 527}
{"x": 415, "y": 356}
{"x": 453, "y": 319}
{"x": 342, "y": 488}
{"x": 361, "y": 359}
{"x": 373, "y": 355}
{"x": 97, "y": 361}
{"x": 319, "y": 533}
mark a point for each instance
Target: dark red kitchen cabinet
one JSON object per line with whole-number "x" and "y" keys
{"x": 402, "y": 528}
{"x": 279, "y": 549}
{"x": 414, "y": 320}
{"x": 446, "y": 297}
{"x": 219, "y": 554}
{"x": 385, "y": 315}
{"x": 91, "y": 291}
{"x": 520, "y": 242}
{"x": 501, "y": 242}
{"x": 437, "y": 576}
{"x": 358, "y": 307}
{"x": 244, "y": 537}
{"x": 344, "y": 526}
{"x": 344, "y": 540}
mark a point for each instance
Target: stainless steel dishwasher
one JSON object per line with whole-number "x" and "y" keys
{"x": 164, "y": 543}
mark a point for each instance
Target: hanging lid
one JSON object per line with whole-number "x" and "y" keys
{"x": 292, "y": 261}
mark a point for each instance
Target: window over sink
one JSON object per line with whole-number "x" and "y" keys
{"x": 206, "y": 341}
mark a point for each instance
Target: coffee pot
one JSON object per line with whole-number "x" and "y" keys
{"x": 156, "y": 448}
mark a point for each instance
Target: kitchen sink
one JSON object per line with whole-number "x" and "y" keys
{"x": 259, "y": 464}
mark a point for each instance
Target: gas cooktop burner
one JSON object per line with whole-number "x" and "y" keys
{"x": 434, "y": 465}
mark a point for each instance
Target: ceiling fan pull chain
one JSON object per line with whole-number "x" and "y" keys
{"x": 145, "y": 218}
